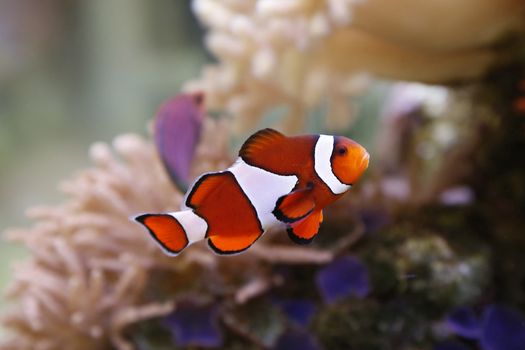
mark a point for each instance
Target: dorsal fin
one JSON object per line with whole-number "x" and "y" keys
{"x": 203, "y": 187}
{"x": 258, "y": 142}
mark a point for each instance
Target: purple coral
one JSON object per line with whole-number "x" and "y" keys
{"x": 195, "y": 324}
{"x": 464, "y": 322}
{"x": 344, "y": 277}
{"x": 299, "y": 311}
{"x": 178, "y": 127}
{"x": 503, "y": 329}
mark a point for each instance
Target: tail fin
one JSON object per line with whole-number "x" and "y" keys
{"x": 174, "y": 231}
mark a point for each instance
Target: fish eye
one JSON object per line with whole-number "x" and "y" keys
{"x": 341, "y": 150}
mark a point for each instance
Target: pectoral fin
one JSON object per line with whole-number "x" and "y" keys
{"x": 294, "y": 206}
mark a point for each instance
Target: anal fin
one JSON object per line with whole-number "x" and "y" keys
{"x": 227, "y": 245}
{"x": 294, "y": 206}
{"x": 304, "y": 231}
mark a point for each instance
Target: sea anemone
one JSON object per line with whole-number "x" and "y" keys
{"x": 89, "y": 263}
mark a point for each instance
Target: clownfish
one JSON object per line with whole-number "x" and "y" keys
{"x": 276, "y": 181}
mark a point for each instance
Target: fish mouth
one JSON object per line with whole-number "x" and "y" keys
{"x": 364, "y": 161}
{"x": 359, "y": 166}
{"x": 362, "y": 164}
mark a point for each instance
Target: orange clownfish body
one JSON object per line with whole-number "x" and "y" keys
{"x": 276, "y": 181}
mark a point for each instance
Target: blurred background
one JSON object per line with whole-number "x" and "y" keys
{"x": 75, "y": 72}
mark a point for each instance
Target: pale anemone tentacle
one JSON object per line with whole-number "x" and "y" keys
{"x": 299, "y": 55}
